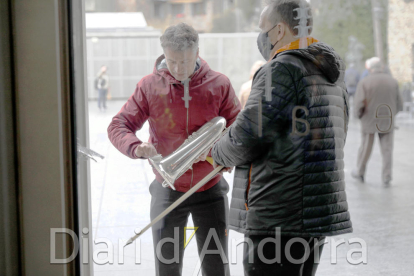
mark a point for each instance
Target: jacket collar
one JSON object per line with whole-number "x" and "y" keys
{"x": 295, "y": 45}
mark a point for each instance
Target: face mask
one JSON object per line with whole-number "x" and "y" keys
{"x": 264, "y": 44}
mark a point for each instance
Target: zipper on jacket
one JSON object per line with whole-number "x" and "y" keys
{"x": 246, "y": 204}
{"x": 186, "y": 128}
{"x": 187, "y": 100}
{"x": 192, "y": 170}
{"x": 192, "y": 177}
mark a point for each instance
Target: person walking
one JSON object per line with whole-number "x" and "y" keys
{"x": 377, "y": 102}
{"x": 288, "y": 148}
{"x": 174, "y": 113}
{"x": 351, "y": 79}
{"x": 102, "y": 85}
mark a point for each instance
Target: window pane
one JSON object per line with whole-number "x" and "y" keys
{"x": 177, "y": 10}
{"x": 228, "y": 32}
{"x": 199, "y": 8}
{"x": 160, "y": 10}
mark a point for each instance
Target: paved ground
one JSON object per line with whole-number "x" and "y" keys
{"x": 382, "y": 216}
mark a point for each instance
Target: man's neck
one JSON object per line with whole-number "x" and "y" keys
{"x": 282, "y": 43}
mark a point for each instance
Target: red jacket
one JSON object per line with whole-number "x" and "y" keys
{"x": 158, "y": 99}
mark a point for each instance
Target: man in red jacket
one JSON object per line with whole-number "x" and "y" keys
{"x": 174, "y": 114}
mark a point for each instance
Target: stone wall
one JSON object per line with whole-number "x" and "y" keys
{"x": 401, "y": 39}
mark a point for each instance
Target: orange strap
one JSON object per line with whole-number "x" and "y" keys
{"x": 295, "y": 45}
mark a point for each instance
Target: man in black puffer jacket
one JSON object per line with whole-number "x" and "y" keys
{"x": 288, "y": 146}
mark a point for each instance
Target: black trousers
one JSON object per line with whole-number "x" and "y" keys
{"x": 209, "y": 210}
{"x": 295, "y": 259}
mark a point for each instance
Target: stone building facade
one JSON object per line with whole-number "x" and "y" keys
{"x": 163, "y": 13}
{"x": 401, "y": 39}
{"x": 197, "y": 13}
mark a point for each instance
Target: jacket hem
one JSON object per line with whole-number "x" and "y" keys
{"x": 292, "y": 234}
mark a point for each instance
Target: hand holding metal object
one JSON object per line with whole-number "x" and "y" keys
{"x": 177, "y": 163}
{"x": 145, "y": 150}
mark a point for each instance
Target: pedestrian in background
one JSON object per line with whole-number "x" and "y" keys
{"x": 407, "y": 92}
{"x": 247, "y": 86}
{"x": 377, "y": 102}
{"x": 351, "y": 79}
{"x": 102, "y": 85}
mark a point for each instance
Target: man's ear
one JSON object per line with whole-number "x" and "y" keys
{"x": 281, "y": 31}
{"x": 198, "y": 52}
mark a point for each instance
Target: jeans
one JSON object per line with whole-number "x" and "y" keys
{"x": 102, "y": 97}
{"x": 209, "y": 210}
{"x": 265, "y": 261}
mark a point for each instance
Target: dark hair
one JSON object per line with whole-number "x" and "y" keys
{"x": 284, "y": 11}
{"x": 180, "y": 37}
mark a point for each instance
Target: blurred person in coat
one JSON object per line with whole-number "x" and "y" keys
{"x": 288, "y": 148}
{"x": 247, "y": 86}
{"x": 377, "y": 102}
{"x": 173, "y": 115}
{"x": 102, "y": 85}
{"x": 407, "y": 92}
{"x": 351, "y": 79}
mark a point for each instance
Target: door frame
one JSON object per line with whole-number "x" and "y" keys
{"x": 51, "y": 113}
{"x": 9, "y": 224}
{"x": 79, "y": 82}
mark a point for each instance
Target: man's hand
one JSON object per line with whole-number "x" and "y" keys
{"x": 229, "y": 170}
{"x": 145, "y": 150}
{"x": 202, "y": 157}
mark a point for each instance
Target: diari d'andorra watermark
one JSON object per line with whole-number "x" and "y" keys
{"x": 356, "y": 255}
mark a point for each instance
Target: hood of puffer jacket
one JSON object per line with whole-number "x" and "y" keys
{"x": 161, "y": 69}
{"x": 323, "y": 56}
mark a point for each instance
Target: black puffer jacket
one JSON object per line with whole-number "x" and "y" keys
{"x": 294, "y": 181}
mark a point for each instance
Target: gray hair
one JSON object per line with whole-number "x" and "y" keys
{"x": 180, "y": 38}
{"x": 283, "y": 11}
{"x": 375, "y": 64}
